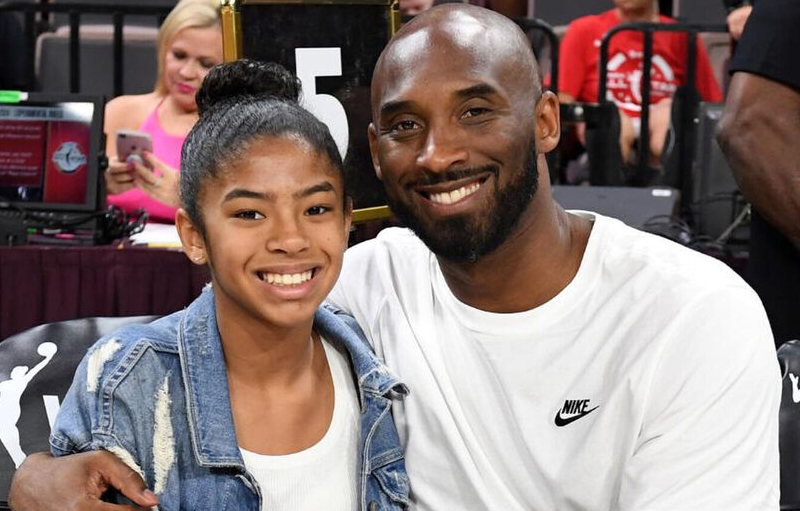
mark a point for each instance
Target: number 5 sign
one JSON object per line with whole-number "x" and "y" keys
{"x": 332, "y": 47}
{"x": 314, "y": 62}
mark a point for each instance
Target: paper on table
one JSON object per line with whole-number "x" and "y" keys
{"x": 158, "y": 235}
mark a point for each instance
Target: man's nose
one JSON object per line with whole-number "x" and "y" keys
{"x": 445, "y": 146}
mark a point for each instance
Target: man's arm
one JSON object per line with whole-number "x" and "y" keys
{"x": 760, "y": 135}
{"x": 708, "y": 439}
{"x": 75, "y": 483}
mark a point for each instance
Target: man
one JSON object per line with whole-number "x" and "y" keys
{"x": 579, "y": 71}
{"x": 555, "y": 360}
{"x": 759, "y": 134}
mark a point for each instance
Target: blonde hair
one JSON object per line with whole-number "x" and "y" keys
{"x": 186, "y": 14}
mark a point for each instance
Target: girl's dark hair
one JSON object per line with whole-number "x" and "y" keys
{"x": 240, "y": 102}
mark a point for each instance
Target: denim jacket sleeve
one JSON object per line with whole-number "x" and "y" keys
{"x": 81, "y": 410}
{"x": 85, "y": 422}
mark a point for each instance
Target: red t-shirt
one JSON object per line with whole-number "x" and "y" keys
{"x": 579, "y": 69}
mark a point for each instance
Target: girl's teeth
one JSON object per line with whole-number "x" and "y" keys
{"x": 288, "y": 279}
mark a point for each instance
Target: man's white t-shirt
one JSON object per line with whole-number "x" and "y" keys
{"x": 649, "y": 382}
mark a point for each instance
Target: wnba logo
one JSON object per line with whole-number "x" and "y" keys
{"x": 10, "y": 395}
{"x": 68, "y": 157}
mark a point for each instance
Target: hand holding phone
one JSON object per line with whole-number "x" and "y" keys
{"x": 131, "y": 144}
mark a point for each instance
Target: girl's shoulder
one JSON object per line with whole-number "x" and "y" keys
{"x": 124, "y": 350}
{"x": 129, "y": 112}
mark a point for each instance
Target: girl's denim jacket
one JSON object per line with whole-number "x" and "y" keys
{"x": 156, "y": 395}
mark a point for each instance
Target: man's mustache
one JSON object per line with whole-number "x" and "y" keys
{"x": 435, "y": 178}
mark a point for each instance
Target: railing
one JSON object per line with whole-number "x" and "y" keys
{"x": 536, "y": 24}
{"x": 648, "y": 29}
{"x": 118, "y": 13}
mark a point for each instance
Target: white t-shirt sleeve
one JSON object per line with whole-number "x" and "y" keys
{"x": 344, "y": 295}
{"x": 711, "y": 421}
{"x": 360, "y": 290}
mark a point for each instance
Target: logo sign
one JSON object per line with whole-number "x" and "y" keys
{"x": 68, "y": 157}
{"x": 573, "y": 410}
{"x": 11, "y": 391}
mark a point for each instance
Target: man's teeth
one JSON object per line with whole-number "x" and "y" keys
{"x": 455, "y": 195}
{"x": 286, "y": 279}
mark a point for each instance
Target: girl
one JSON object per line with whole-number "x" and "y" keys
{"x": 253, "y": 397}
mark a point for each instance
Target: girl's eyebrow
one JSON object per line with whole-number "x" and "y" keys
{"x": 325, "y": 186}
{"x": 243, "y": 193}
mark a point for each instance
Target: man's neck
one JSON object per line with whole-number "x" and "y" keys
{"x": 531, "y": 267}
{"x": 645, "y": 14}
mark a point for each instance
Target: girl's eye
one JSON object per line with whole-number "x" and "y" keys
{"x": 249, "y": 215}
{"x": 207, "y": 64}
{"x": 180, "y": 55}
{"x": 317, "y": 210}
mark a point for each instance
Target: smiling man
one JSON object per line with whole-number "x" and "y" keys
{"x": 555, "y": 360}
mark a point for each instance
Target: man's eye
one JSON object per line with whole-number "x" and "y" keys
{"x": 406, "y": 125}
{"x": 474, "y": 112}
{"x": 317, "y": 210}
{"x": 249, "y": 215}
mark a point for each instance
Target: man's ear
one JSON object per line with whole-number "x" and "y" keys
{"x": 194, "y": 245}
{"x": 372, "y": 134}
{"x": 548, "y": 123}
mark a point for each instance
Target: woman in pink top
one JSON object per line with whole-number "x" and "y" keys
{"x": 189, "y": 45}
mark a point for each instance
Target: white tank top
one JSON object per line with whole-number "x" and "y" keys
{"x": 324, "y": 476}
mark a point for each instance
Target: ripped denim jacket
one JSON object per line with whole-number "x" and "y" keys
{"x": 156, "y": 395}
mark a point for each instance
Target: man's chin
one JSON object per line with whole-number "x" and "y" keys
{"x": 455, "y": 238}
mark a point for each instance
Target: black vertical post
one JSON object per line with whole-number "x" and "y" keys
{"x": 554, "y": 56}
{"x": 644, "y": 132}
{"x": 74, "y": 51}
{"x": 688, "y": 127}
{"x": 30, "y": 48}
{"x": 118, "y": 53}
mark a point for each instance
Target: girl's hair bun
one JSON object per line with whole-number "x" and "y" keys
{"x": 245, "y": 78}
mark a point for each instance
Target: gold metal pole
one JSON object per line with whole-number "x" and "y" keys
{"x": 231, "y": 20}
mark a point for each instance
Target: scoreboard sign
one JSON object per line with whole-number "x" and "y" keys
{"x": 333, "y": 47}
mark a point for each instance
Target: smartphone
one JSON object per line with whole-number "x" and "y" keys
{"x": 131, "y": 143}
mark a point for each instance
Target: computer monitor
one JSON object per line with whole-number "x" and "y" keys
{"x": 49, "y": 147}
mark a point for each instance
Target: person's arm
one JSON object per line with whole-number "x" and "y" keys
{"x": 75, "y": 483}
{"x": 708, "y": 438}
{"x": 736, "y": 20}
{"x": 161, "y": 183}
{"x": 760, "y": 133}
{"x": 123, "y": 112}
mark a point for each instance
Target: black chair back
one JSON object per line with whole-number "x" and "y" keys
{"x": 789, "y": 359}
{"x": 36, "y": 370}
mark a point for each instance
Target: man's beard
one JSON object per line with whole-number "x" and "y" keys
{"x": 468, "y": 237}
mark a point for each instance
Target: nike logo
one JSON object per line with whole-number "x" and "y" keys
{"x": 573, "y": 410}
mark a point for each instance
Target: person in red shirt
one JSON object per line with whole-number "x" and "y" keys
{"x": 579, "y": 70}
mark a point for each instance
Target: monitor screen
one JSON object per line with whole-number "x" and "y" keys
{"x": 48, "y": 153}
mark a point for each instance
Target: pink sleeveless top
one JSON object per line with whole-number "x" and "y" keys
{"x": 168, "y": 149}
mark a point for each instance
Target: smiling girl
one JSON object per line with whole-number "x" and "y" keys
{"x": 253, "y": 397}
